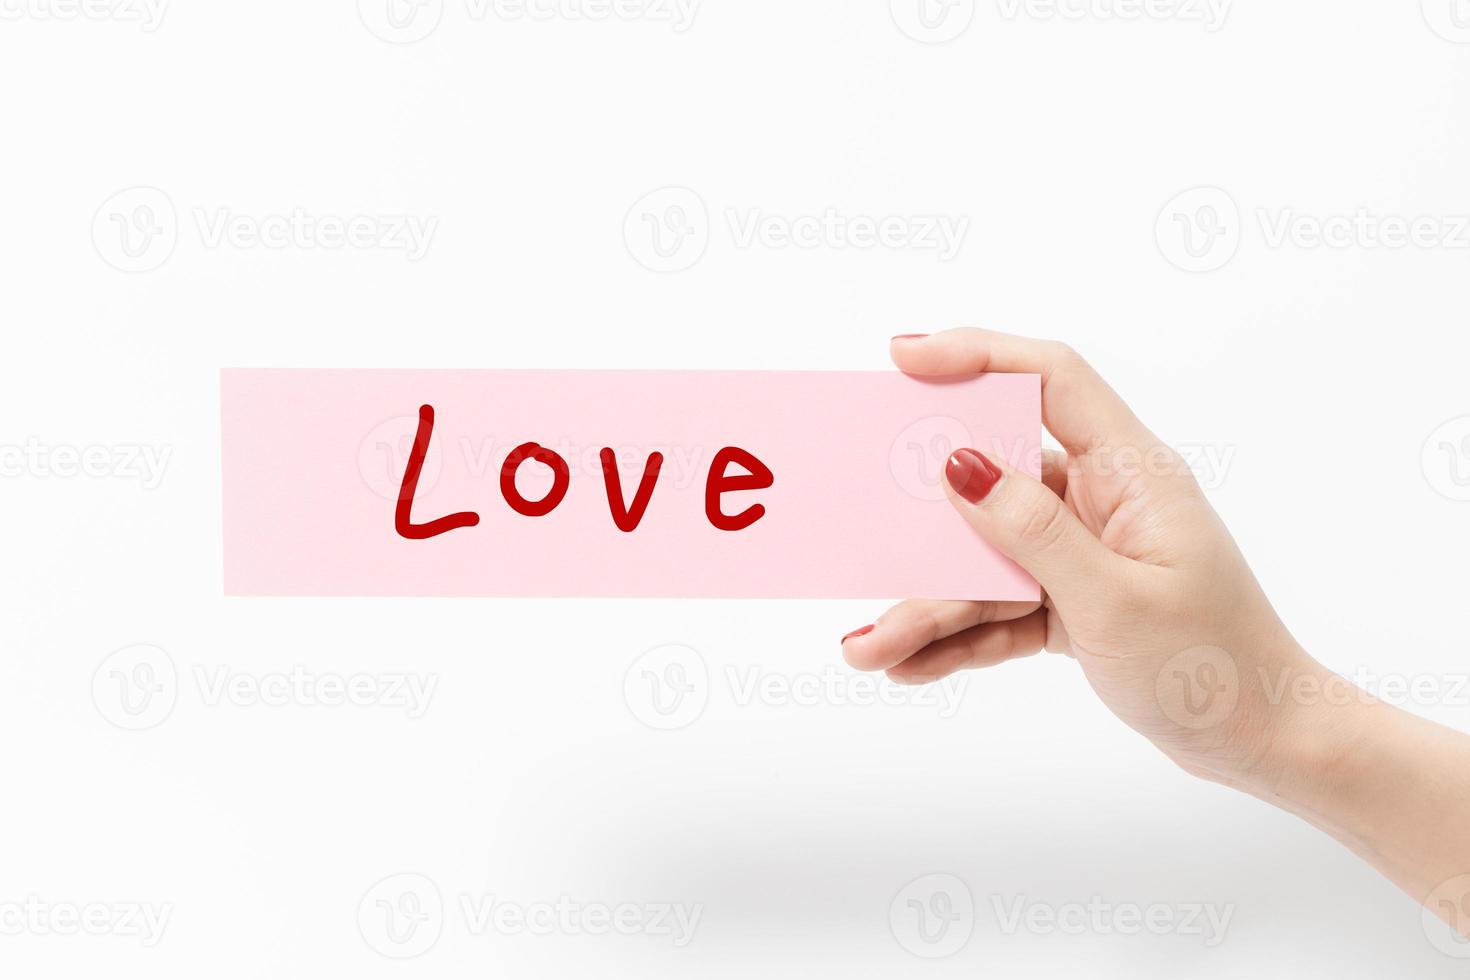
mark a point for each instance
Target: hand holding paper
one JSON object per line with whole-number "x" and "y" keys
{"x": 1146, "y": 589}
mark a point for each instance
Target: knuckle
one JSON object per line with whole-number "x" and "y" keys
{"x": 1066, "y": 356}
{"x": 1045, "y": 525}
{"x": 930, "y": 628}
{"x": 982, "y": 646}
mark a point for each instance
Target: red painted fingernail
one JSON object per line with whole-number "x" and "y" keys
{"x": 910, "y": 336}
{"x": 972, "y": 475}
{"x": 862, "y": 632}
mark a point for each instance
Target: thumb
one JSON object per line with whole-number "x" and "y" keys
{"x": 1030, "y": 525}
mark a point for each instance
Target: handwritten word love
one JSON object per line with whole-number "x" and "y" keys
{"x": 625, "y": 515}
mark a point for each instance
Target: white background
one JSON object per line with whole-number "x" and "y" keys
{"x": 1317, "y": 374}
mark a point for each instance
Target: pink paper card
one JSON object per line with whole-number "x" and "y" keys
{"x": 737, "y": 484}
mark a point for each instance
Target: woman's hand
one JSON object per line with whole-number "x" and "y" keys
{"x": 1144, "y": 587}
{"x": 1142, "y": 583}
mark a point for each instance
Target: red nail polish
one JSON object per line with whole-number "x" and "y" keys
{"x": 972, "y": 475}
{"x": 862, "y": 632}
{"x": 910, "y": 336}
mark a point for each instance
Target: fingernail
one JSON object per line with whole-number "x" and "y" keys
{"x": 972, "y": 475}
{"x": 862, "y": 632}
{"x": 910, "y": 336}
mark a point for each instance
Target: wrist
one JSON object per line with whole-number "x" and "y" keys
{"x": 1315, "y": 758}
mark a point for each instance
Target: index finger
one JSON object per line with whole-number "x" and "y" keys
{"x": 1077, "y": 405}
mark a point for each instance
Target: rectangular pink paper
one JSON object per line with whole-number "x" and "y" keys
{"x": 313, "y": 461}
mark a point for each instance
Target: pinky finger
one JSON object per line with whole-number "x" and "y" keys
{"x": 979, "y": 646}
